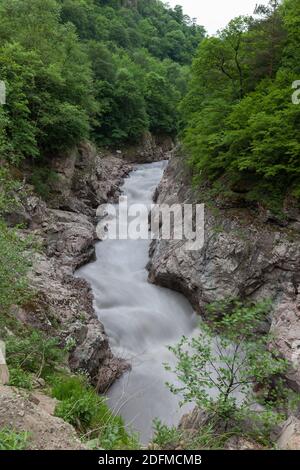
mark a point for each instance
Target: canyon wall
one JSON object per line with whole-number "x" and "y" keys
{"x": 246, "y": 254}
{"x": 64, "y": 230}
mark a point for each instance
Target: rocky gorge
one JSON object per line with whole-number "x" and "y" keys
{"x": 247, "y": 254}
{"x": 64, "y": 230}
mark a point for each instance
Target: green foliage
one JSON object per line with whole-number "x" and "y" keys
{"x": 219, "y": 372}
{"x": 12, "y": 440}
{"x": 31, "y": 355}
{"x": 14, "y": 265}
{"x": 20, "y": 378}
{"x": 207, "y": 438}
{"x": 81, "y": 406}
{"x": 75, "y": 69}
{"x": 241, "y": 127}
{"x": 15, "y": 253}
{"x": 7, "y": 187}
{"x": 48, "y": 79}
{"x": 165, "y": 436}
{"x": 41, "y": 178}
{"x": 34, "y": 355}
{"x": 161, "y": 103}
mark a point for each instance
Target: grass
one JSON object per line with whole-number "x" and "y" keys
{"x": 165, "y": 437}
{"x": 12, "y": 440}
{"x": 207, "y": 438}
{"x": 81, "y": 406}
{"x": 20, "y": 378}
{"x": 33, "y": 355}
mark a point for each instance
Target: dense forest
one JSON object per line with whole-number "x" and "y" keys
{"x": 241, "y": 127}
{"x": 111, "y": 70}
{"x": 107, "y": 71}
{"x": 90, "y": 69}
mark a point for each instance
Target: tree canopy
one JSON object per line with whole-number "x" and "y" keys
{"x": 77, "y": 69}
{"x": 241, "y": 127}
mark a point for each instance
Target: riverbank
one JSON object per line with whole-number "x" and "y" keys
{"x": 63, "y": 229}
{"x": 141, "y": 319}
{"x": 247, "y": 254}
{"x": 102, "y": 321}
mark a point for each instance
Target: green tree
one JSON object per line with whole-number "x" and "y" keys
{"x": 218, "y": 372}
{"x": 161, "y": 98}
{"x": 64, "y": 61}
{"x": 48, "y": 78}
{"x": 241, "y": 128}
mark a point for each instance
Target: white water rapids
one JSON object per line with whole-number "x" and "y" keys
{"x": 140, "y": 319}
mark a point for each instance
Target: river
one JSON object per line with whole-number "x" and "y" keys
{"x": 140, "y": 319}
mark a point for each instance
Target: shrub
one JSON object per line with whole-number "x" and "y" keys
{"x": 14, "y": 262}
{"x": 219, "y": 368}
{"x": 20, "y": 378}
{"x": 34, "y": 353}
{"x": 7, "y": 187}
{"x": 165, "y": 436}
{"x": 14, "y": 265}
{"x": 168, "y": 438}
{"x": 241, "y": 129}
{"x": 42, "y": 178}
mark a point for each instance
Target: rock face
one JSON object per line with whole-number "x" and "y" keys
{"x": 244, "y": 255}
{"x": 286, "y": 332}
{"x": 22, "y": 412}
{"x": 65, "y": 228}
{"x": 289, "y": 438}
{"x": 240, "y": 443}
{"x": 149, "y": 149}
{"x": 193, "y": 421}
{"x": 86, "y": 178}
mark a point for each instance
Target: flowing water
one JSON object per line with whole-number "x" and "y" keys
{"x": 140, "y": 319}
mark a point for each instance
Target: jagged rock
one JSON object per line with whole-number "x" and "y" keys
{"x": 285, "y": 330}
{"x": 109, "y": 174}
{"x": 93, "y": 355}
{"x": 240, "y": 443}
{"x": 149, "y": 149}
{"x": 111, "y": 369}
{"x": 70, "y": 237}
{"x": 63, "y": 304}
{"x": 289, "y": 438}
{"x": 86, "y": 179}
{"x": 77, "y": 333}
{"x": 29, "y": 211}
{"x": 192, "y": 422}
{"x": 4, "y": 372}
{"x": 241, "y": 257}
{"x": 18, "y": 217}
{"x": 20, "y": 411}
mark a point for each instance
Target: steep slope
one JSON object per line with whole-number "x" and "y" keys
{"x": 245, "y": 255}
